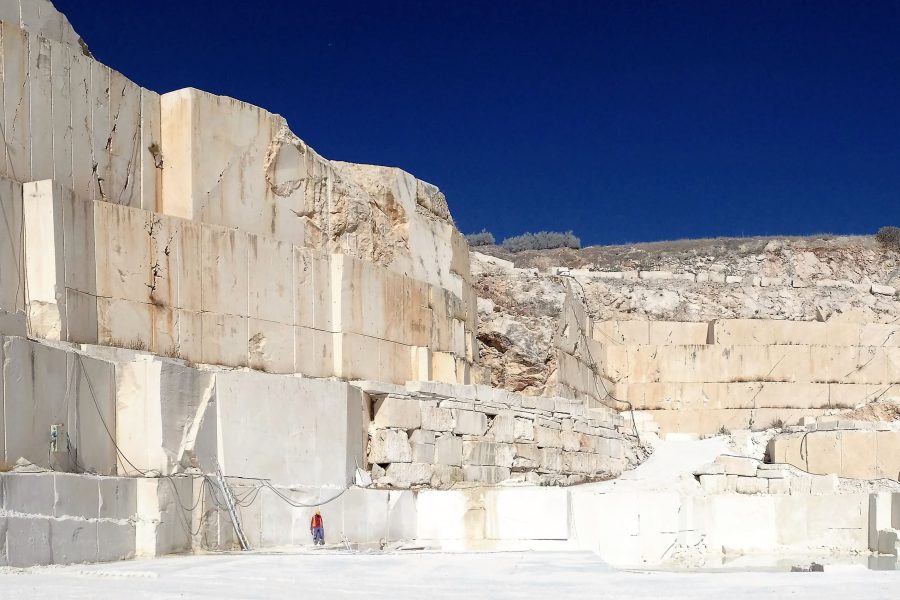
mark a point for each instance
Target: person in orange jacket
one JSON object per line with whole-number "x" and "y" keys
{"x": 317, "y": 529}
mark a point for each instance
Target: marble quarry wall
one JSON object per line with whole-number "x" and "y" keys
{"x": 240, "y": 182}
{"x": 437, "y": 435}
{"x": 846, "y": 448}
{"x": 60, "y": 518}
{"x": 101, "y": 273}
{"x": 742, "y": 374}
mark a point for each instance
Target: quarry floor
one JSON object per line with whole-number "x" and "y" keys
{"x": 401, "y": 576}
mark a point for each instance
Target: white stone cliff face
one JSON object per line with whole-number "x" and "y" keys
{"x": 42, "y": 18}
{"x": 202, "y": 227}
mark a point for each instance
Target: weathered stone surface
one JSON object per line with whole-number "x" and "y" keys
{"x": 488, "y": 453}
{"x": 484, "y": 474}
{"x": 503, "y": 428}
{"x": 751, "y": 485}
{"x": 445, "y": 476}
{"x": 470, "y": 423}
{"x": 438, "y": 419}
{"x": 713, "y": 483}
{"x": 448, "y": 450}
{"x": 736, "y": 465}
{"x": 406, "y": 474}
{"x": 390, "y": 446}
{"x": 545, "y": 437}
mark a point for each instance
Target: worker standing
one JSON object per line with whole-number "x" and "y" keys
{"x": 317, "y": 529}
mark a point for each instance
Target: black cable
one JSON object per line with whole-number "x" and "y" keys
{"x": 593, "y": 364}
{"x": 300, "y": 504}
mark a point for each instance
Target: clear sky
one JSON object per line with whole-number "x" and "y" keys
{"x": 623, "y": 121}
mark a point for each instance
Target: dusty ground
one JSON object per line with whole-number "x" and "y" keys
{"x": 425, "y": 575}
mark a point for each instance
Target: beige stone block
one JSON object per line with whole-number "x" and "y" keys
{"x": 792, "y": 395}
{"x": 448, "y": 450}
{"x": 779, "y": 486}
{"x": 444, "y": 367}
{"x": 524, "y": 429}
{"x": 470, "y": 423}
{"x": 487, "y": 453}
{"x": 824, "y": 451}
{"x": 362, "y": 357}
{"x": 314, "y": 352}
{"x": 124, "y": 324}
{"x": 527, "y": 456}
{"x": 789, "y": 449}
{"x": 485, "y": 474}
{"x": 389, "y": 446}
{"x": 446, "y": 476}
{"x": 81, "y": 120}
{"x": 101, "y": 130}
{"x": 879, "y": 334}
{"x": 164, "y": 331}
{"x": 551, "y": 459}
{"x": 406, "y": 474}
{"x": 751, "y": 485}
{"x": 893, "y": 365}
{"x": 545, "y": 437}
{"x": 625, "y": 333}
{"x": 12, "y": 267}
{"x": 271, "y": 346}
{"x": 81, "y": 321}
{"x": 190, "y": 335}
{"x": 418, "y": 317}
{"x": 850, "y": 364}
{"x": 848, "y": 395}
{"x": 742, "y": 332}
{"x": 398, "y": 412}
{"x": 438, "y": 419}
{"x": 152, "y": 160}
{"x": 888, "y": 456}
{"x": 123, "y": 184}
{"x": 671, "y": 333}
{"x": 786, "y": 363}
{"x": 175, "y": 248}
{"x": 503, "y": 428}
{"x": 736, "y": 465}
{"x": 17, "y": 103}
{"x": 766, "y": 418}
{"x": 800, "y": 486}
{"x": 61, "y": 125}
{"x": 714, "y": 484}
{"x": 614, "y": 363}
{"x": 225, "y": 255}
{"x": 858, "y": 454}
{"x": 224, "y": 340}
{"x": 823, "y": 484}
{"x": 79, "y": 241}
{"x": 122, "y": 241}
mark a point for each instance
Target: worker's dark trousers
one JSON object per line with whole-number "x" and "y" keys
{"x": 319, "y": 536}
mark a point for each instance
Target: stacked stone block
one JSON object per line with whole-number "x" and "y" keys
{"x": 742, "y": 475}
{"x": 100, "y": 273}
{"x": 439, "y": 435}
{"x": 853, "y": 449}
{"x": 746, "y": 374}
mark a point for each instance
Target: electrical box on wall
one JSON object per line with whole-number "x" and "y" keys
{"x": 58, "y": 437}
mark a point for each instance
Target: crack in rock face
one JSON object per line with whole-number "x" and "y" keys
{"x": 285, "y": 157}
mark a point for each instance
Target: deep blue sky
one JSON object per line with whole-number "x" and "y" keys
{"x": 624, "y": 121}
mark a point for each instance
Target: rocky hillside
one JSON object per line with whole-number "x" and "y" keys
{"x": 812, "y": 278}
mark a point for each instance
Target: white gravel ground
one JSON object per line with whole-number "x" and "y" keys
{"x": 328, "y": 574}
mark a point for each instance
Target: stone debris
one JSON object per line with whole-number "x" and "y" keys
{"x": 492, "y": 441}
